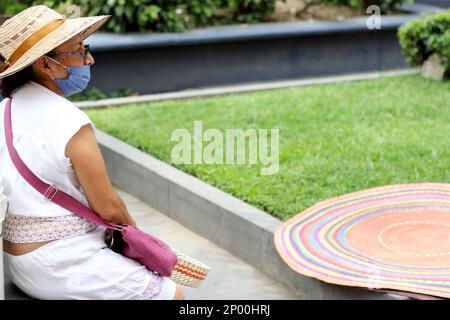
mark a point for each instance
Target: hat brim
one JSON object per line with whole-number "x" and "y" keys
{"x": 67, "y": 30}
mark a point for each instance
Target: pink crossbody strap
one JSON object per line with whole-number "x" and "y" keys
{"x": 51, "y": 193}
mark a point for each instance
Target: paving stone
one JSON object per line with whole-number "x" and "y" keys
{"x": 229, "y": 278}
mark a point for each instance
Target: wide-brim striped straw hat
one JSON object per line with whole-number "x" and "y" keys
{"x": 37, "y": 30}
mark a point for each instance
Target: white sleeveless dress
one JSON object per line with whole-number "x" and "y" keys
{"x": 78, "y": 265}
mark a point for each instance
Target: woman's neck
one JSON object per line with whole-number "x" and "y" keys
{"x": 49, "y": 84}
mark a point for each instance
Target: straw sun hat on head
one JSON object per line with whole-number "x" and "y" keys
{"x": 37, "y": 30}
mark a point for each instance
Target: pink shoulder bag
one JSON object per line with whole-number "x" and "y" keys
{"x": 131, "y": 242}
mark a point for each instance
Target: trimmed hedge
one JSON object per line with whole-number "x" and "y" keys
{"x": 422, "y": 37}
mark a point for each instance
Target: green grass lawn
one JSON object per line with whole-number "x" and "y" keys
{"x": 334, "y": 139}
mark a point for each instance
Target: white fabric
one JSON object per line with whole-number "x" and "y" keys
{"x": 42, "y": 123}
{"x": 83, "y": 267}
{"x": 3, "y": 207}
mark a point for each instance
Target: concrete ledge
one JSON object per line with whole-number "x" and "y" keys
{"x": 223, "y": 90}
{"x": 436, "y": 3}
{"x": 237, "y": 54}
{"x": 106, "y": 41}
{"x": 234, "y": 225}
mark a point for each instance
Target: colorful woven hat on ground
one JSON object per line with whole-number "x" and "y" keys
{"x": 395, "y": 237}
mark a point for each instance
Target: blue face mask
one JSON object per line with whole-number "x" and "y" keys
{"x": 77, "y": 80}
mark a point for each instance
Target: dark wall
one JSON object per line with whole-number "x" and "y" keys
{"x": 162, "y": 69}
{"x": 439, "y": 3}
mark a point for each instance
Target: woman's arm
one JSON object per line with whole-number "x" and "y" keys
{"x": 89, "y": 166}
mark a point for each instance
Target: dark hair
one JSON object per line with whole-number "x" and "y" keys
{"x": 9, "y": 84}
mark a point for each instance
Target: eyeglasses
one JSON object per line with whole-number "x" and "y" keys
{"x": 82, "y": 53}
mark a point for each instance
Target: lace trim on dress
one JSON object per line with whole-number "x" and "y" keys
{"x": 25, "y": 229}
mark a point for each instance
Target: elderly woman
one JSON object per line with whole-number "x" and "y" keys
{"x": 50, "y": 252}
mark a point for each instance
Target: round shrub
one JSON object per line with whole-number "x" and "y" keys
{"x": 422, "y": 37}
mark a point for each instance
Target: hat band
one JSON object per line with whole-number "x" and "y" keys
{"x": 30, "y": 42}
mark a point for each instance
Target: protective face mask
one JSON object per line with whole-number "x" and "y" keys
{"x": 77, "y": 80}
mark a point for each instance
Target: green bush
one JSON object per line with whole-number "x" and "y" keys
{"x": 422, "y": 37}
{"x": 178, "y": 15}
{"x": 11, "y": 7}
{"x": 159, "y": 15}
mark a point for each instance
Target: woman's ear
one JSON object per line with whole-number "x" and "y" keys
{"x": 42, "y": 68}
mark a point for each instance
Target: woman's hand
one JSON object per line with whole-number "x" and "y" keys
{"x": 133, "y": 223}
{"x": 123, "y": 216}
